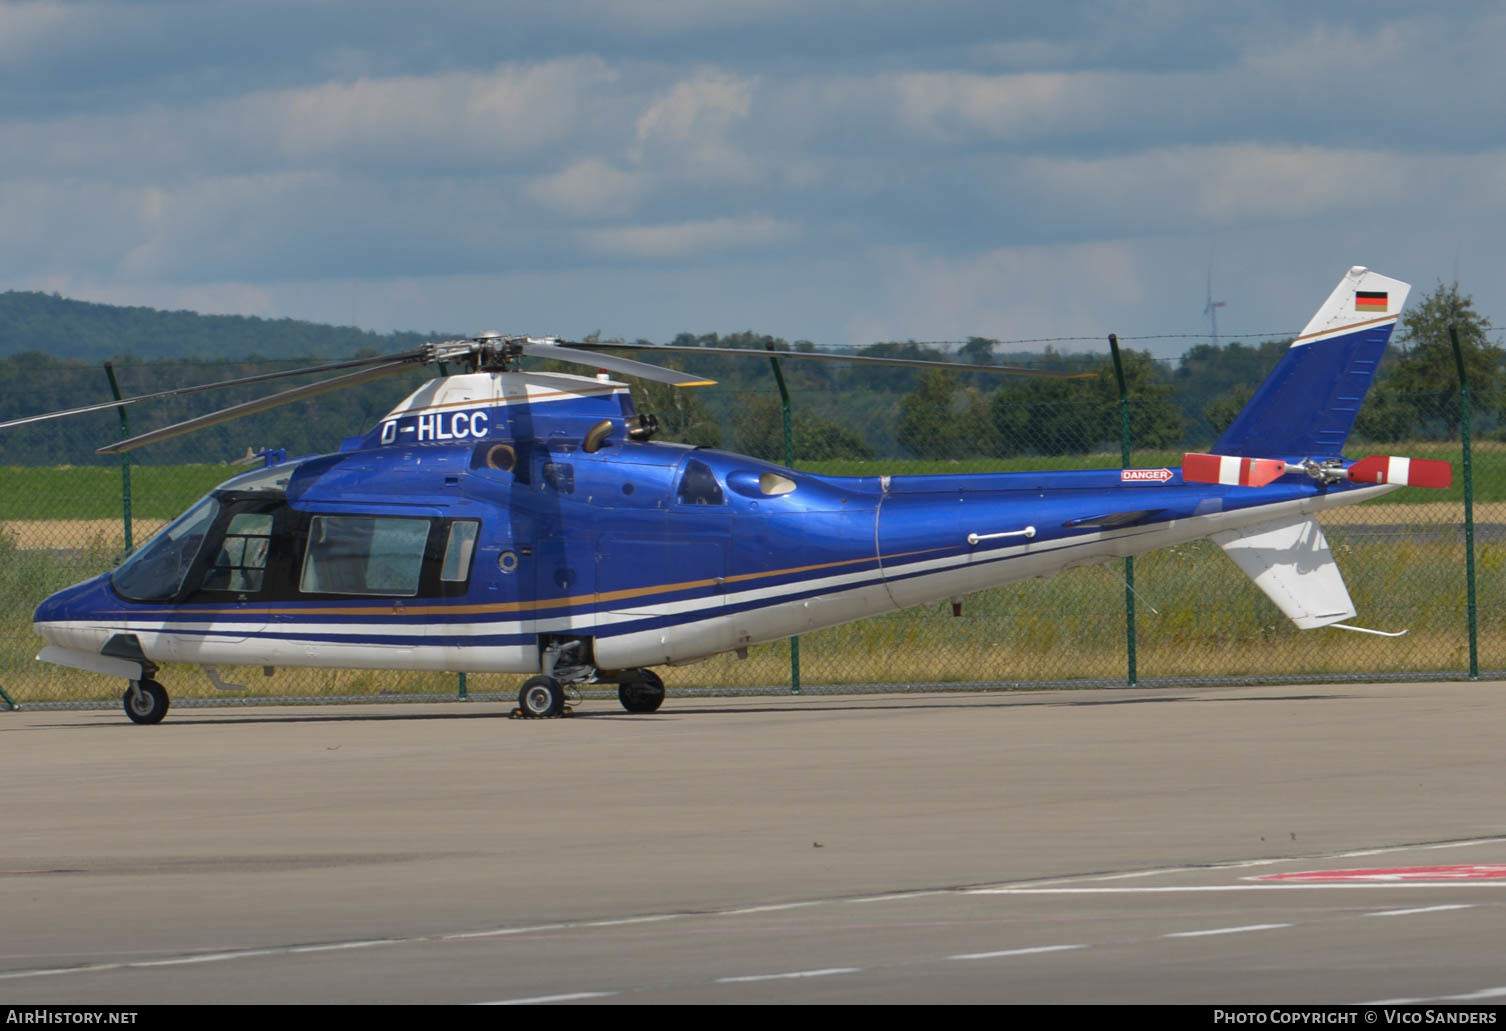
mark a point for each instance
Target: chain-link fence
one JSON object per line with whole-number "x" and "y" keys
{"x": 1191, "y": 615}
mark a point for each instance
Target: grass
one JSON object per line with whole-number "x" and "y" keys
{"x": 94, "y": 492}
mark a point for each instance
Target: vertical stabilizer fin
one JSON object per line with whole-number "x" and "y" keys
{"x": 1290, "y": 561}
{"x": 1308, "y": 404}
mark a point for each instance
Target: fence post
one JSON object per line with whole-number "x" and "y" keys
{"x": 125, "y": 461}
{"x": 1469, "y": 504}
{"x": 1129, "y": 562}
{"x": 789, "y": 460}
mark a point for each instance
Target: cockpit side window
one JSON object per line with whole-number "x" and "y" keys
{"x": 241, "y": 564}
{"x": 698, "y": 485}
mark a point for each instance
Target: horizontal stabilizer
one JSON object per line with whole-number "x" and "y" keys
{"x": 1290, "y": 561}
{"x": 1407, "y": 472}
{"x": 1232, "y": 470}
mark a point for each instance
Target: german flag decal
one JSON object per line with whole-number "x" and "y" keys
{"x": 1370, "y": 300}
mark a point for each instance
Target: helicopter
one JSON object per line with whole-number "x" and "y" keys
{"x": 498, "y": 520}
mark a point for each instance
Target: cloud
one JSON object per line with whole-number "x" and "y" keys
{"x": 690, "y": 130}
{"x": 589, "y": 187}
{"x": 846, "y": 164}
{"x": 1006, "y": 293}
{"x": 678, "y": 16}
{"x": 1412, "y": 82}
{"x": 500, "y": 115}
{"x": 950, "y": 107}
{"x": 679, "y": 239}
{"x": 477, "y": 120}
{"x": 707, "y": 103}
{"x": 24, "y": 27}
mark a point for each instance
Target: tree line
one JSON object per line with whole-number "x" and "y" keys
{"x": 839, "y": 411}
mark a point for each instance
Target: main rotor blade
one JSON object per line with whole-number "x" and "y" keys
{"x": 406, "y": 356}
{"x": 612, "y": 363}
{"x": 827, "y": 356}
{"x": 252, "y": 407}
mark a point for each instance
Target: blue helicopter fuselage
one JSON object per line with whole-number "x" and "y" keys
{"x": 492, "y": 514}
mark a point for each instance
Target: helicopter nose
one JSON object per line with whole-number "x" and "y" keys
{"x": 54, "y": 615}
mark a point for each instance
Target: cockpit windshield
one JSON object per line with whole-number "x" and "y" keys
{"x": 157, "y": 571}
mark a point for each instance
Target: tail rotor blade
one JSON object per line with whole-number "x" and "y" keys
{"x": 1407, "y": 472}
{"x": 1232, "y": 470}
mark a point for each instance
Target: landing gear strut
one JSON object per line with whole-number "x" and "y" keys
{"x": 145, "y": 701}
{"x": 641, "y": 690}
{"x": 567, "y": 662}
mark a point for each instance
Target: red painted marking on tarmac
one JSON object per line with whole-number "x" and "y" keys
{"x": 1395, "y": 873}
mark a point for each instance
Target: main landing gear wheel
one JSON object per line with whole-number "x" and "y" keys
{"x": 644, "y": 692}
{"x": 541, "y": 698}
{"x": 145, "y": 701}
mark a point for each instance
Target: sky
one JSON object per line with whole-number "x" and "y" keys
{"x": 842, "y": 171}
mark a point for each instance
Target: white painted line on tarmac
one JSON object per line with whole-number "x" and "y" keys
{"x": 205, "y": 957}
{"x": 1480, "y": 996}
{"x": 54, "y": 971}
{"x": 568, "y": 925}
{"x": 1238, "y": 864}
{"x": 1440, "y": 845}
{"x": 1423, "y": 848}
{"x": 826, "y": 972}
{"x": 1034, "y": 887}
{"x": 770, "y": 909}
{"x": 1424, "y": 909}
{"x": 1226, "y": 930}
{"x": 340, "y": 946}
{"x": 903, "y": 895}
{"x": 1017, "y": 952}
{"x": 541, "y": 999}
{"x": 1190, "y": 888}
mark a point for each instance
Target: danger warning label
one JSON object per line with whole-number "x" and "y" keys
{"x": 1144, "y": 475}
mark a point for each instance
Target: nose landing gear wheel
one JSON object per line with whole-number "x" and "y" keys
{"x": 145, "y": 701}
{"x": 644, "y": 692}
{"x": 541, "y": 698}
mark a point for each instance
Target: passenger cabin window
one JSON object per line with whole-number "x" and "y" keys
{"x": 241, "y": 564}
{"x": 698, "y": 485}
{"x": 380, "y": 555}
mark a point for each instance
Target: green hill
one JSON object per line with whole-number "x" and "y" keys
{"x": 32, "y": 321}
